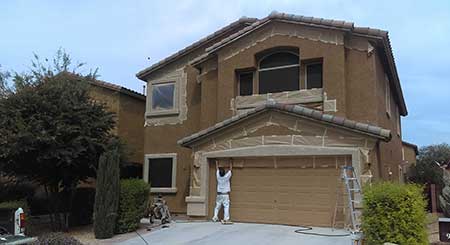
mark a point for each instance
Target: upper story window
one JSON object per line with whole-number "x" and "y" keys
{"x": 163, "y": 96}
{"x": 279, "y": 71}
{"x": 245, "y": 83}
{"x": 313, "y": 75}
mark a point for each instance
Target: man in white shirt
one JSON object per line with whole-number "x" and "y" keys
{"x": 223, "y": 191}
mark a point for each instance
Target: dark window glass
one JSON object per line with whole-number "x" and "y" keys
{"x": 314, "y": 76}
{"x": 246, "y": 83}
{"x": 278, "y": 59}
{"x": 160, "y": 172}
{"x": 279, "y": 80}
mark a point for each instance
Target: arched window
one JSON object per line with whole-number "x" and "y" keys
{"x": 279, "y": 71}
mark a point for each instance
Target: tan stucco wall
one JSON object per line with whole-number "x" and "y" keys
{"x": 163, "y": 139}
{"x": 109, "y": 97}
{"x": 131, "y": 126}
{"x": 410, "y": 154}
{"x": 129, "y": 119}
{"x": 390, "y": 152}
{"x": 351, "y": 74}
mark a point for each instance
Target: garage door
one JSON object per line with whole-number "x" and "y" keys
{"x": 295, "y": 191}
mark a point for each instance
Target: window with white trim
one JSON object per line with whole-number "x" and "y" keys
{"x": 160, "y": 171}
{"x": 387, "y": 95}
{"x": 163, "y": 96}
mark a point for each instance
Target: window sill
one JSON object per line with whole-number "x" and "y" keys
{"x": 163, "y": 190}
{"x": 287, "y": 97}
{"x": 162, "y": 113}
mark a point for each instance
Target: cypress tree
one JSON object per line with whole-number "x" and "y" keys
{"x": 107, "y": 194}
{"x": 444, "y": 198}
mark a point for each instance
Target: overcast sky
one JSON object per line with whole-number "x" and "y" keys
{"x": 118, "y": 36}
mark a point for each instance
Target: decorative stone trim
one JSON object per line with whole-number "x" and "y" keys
{"x": 176, "y": 115}
{"x": 288, "y": 97}
{"x": 173, "y": 187}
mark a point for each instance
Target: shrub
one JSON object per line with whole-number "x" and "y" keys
{"x": 133, "y": 200}
{"x": 107, "y": 196}
{"x": 15, "y": 205}
{"x": 57, "y": 238}
{"x": 394, "y": 213}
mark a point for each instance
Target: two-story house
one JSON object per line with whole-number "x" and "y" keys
{"x": 290, "y": 99}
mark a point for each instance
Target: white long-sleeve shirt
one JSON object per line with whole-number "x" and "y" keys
{"x": 223, "y": 183}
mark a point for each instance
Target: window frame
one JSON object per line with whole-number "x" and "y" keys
{"x": 258, "y": 70}
{"x": 387, "y": 95}
{"x": 398, "y": 123}
{"x": 238, "y": 77}
{"x": 306, "y": 72}
{"x": 173, "y": 79}
{"x": 173, "y": 188}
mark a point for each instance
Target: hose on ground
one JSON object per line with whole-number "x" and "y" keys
{"x": 308, "y": 231}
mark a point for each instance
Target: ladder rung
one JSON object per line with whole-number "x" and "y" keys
{"x": 352, "y": 178}
{"x": 357, "y": 190}
{"x": 354, "y": 201}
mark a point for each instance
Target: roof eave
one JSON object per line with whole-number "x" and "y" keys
{"x": 186, "y": 142}
{"x": 189, "y": 49}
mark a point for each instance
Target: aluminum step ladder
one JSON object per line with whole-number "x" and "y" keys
{"x": 354, "y": 195}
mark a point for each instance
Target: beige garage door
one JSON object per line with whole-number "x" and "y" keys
{"x": 295, "y": 191}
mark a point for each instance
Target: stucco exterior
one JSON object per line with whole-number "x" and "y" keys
{"x": 129, "y": 109}
{"x": 354, "y": 87}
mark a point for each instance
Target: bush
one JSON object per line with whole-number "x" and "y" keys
{"x": 394, "y": 213}
{"x": 133, "y": 200}
{"x": 107, "y": 196}
{"x": 15, "y": 205}
{"x": 57, "y": 238}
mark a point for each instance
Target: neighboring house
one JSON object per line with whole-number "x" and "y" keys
{"x": 290, "y": 99}
{"x": 409, "y": 157}
{"x": 129, "y": 107}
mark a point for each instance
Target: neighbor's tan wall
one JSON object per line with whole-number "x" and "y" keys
{"x": 131, "y": 126}
{"x": 129, "y": 116}
{"x": 410, "y": 154}
{"x": 110, "y": 98}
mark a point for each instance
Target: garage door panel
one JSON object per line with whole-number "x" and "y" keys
{"x": 253, "y": 198}
{"x": 284, "y": 195}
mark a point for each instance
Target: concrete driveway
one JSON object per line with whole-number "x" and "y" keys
{"x": 203, "y": 233}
